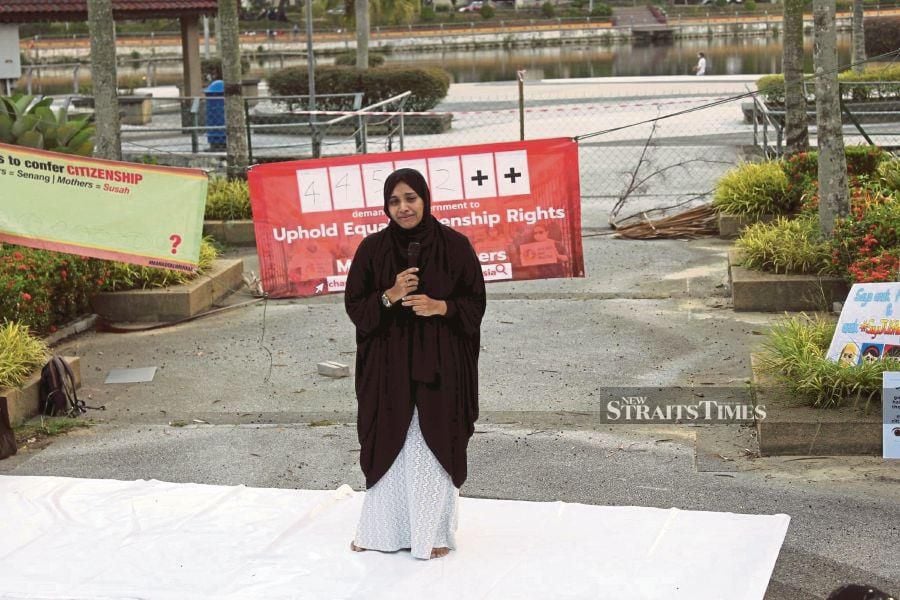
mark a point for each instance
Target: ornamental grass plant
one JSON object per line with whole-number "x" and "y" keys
{"x": 20, "y": 354}
{"x": 228, "y": 200}
{"x": 753, "y": 190}
{"x": 785, "y": 246}
{"x": 794, "y": 354}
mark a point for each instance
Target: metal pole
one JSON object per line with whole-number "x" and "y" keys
{"x": 521, "y": 77}
{"x": 310, "y": 57}
{"x": 249, "y": 131}
{"x": 206, "y": 37}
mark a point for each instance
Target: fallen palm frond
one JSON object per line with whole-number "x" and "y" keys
{"x": 693, "y": 223}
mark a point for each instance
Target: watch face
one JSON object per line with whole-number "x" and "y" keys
{"x": 384, "y": 300}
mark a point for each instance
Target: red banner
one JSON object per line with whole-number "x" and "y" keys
{"x": 518, "y": 202}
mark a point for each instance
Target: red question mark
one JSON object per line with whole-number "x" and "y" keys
{"x": 176, "y": 241}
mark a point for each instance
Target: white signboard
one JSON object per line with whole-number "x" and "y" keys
{"x": 890, "y": 408}
{"x": 869, "y": 327}
{"x": 10, "y": 64}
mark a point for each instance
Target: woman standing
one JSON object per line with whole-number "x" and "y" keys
{"x": 418, "y": 338}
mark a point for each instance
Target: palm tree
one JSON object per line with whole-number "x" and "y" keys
{"x": 859, "y": 37}
{"x": 834, "y": 193}
{"x": 108, "y": 141}
{"x": 795, "y": 125}
{"x": 236, "y": 149}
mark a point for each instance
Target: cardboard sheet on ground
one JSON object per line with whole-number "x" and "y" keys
{"x": 140, "y": 375}
{"x": 87, "y": 538}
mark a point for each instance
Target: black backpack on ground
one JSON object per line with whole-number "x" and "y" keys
{"x": 58, "y": 395}
{"x": 7, "y": 436}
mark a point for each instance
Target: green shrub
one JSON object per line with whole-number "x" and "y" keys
{"x": 772, "y": 88}
{"x": 348, "y": 59}
{"x": 794, "y": 353}
{"x": 43, "y": 289}
{"x": 750, "y": 5}
{"x": 211, "y": 68}
{"x": 889, "y": 174}
{"x": 548, "y": 11}
{"x": 428, "y": 85}
{"x": 863, "y": 160}
{"x": 753, "y": 190}
{"x": 20, "y": 354}
{"x": 785, "y": 246}
{"x": 29, "y": 121}
{"x": 227, "y": 200}
{"x": 802, "y": 170}
{"x": 487, "y": 11}
{"x": 124, "y": 276}
{"x": 428, "y": 14}
{"x": 601, "y": 9}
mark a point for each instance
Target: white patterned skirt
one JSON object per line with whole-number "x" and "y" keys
{"x": 413, "y": 505}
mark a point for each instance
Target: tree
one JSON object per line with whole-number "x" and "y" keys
{"x": 795, "y": 125}
{"x": 362, "y": 33}
{"x": 834, "y": 194}
{"x": 236, "y": 150}
{"x": 108, "y": 140}
{"x": 859, "y": 37}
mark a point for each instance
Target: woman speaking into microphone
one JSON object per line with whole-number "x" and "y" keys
{"x": 415, "y": 293}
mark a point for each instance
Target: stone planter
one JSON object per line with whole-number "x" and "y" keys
{"x": 173, "y": 303}
{"x": 792, "y": 429}
{"x": 24, "y": 403}
{"x": 731, "y": 226}
{"x": 236, "y": 233}
{"x": 136, "y": 110}
{"x": 769, "y": 292}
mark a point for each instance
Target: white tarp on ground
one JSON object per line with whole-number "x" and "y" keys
{"x": 99, "y": 539}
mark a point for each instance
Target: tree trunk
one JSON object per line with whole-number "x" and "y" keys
{"x": 362, "y": 34}
{"x": 859, "y": 37}
{"x": 796, "y": 131}
{"x": 107, "y": 140}
{"x": 237, "y": 152}
{"x": 834, "y": 195}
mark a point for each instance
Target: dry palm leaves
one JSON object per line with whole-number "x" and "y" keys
{"x": 690, "y": 224}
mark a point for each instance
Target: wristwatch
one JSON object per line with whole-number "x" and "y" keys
{"x": 386, "y": 301}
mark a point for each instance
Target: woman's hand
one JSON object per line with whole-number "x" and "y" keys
{"x": 407, "y": 281}
{"x": 424, "y": 306}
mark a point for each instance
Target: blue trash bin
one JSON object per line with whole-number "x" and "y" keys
{"x": 215, "y": 113}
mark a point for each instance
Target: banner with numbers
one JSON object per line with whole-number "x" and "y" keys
{"x": 518, "y": 202}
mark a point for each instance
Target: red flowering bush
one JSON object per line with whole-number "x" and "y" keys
{"x": 44, "y": 289}
{"x": 866, "y": 245}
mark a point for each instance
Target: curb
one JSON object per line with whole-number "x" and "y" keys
{"x": 77, "y": 326}
{"x": 757, "y": 291}
{"x": 731, "y": 226}
{"x": 24, "y": 403}
{"x": 236, "y": 233}
{"x": 173, "y": 303}
{"x": 790, "y": 429}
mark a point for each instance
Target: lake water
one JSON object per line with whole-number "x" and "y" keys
{"x": 725, "y": 56}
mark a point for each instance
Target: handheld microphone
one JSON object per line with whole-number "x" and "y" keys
{"x": 413, "y": 254}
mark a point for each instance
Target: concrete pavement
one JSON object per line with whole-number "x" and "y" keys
{"x": 650, "y": 313}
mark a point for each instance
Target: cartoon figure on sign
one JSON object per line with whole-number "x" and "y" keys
{"x": 542, "y": 254}
{"x": 871, "y": 352}
{"x": 849, "y": 355}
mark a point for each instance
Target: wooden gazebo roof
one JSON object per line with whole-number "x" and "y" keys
{"x": 31, "y": 11}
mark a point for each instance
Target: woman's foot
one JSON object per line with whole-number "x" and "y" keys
{"x": 439, "y": 552}
{"x": 356, "y": 548}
